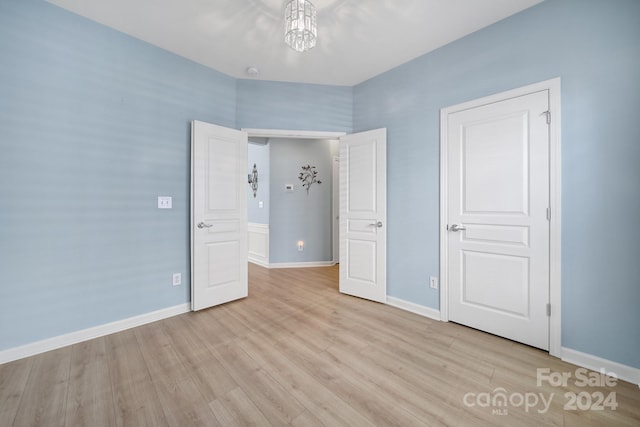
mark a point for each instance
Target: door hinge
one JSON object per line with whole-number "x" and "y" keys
{"x": 548, "y": 309}
{"x": 548, "y": 115}
{"x": 548, "y": 214}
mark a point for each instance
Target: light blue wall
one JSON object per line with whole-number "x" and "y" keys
{"x": 94, "y": 125}
{"x": 593, "y": 45}
{"x": 292, "y": 106}
{"x": 259, "y": 154}
{"x": 299, "y": 215}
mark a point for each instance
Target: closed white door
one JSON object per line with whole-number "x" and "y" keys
{"x": 498, "y": 228}
{"x": 363, "y": 214}
{"x": 218, "y": 215}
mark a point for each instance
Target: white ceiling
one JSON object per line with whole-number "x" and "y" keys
{"x": 357, "y": 39}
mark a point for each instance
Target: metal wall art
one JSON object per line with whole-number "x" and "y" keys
{"x": 309, "y": 176}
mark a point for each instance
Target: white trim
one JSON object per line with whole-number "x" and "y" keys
{"x": 444, "y": 214}
{"x": 281, "y": 133}
{"x": 258, "y": 262}
{"x": 90, "y": 333}
{"x": 422, "y": 310}
{"x": 595, "y": 363}
{"x": 258, "y": 225}
{"x": 192, "y": 224}
{"x": 555, "y": 224}
{"x": 258, "y": 254}
{"x": 301, "y": 264}
{"x": 555, "y": 164}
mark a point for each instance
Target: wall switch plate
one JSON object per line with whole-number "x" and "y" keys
{"x": 261, "y": 204}
{"x": 433, "y": 282}
{"x": 177, "y": 279}
{"x": 164, "y": 202}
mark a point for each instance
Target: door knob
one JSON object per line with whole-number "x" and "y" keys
{"x": 377, "y": 224}
{"x": 456, "y": 227}
{"x": 203, "y": 225}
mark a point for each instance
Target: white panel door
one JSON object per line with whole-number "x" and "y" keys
{"x": 218, "y": 215}
{"x": 363, "y": 214}
{"x": 498, "y": 231}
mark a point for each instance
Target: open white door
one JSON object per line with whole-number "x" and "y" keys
{"x": 363, "y": 215}
{"x": 218, "y": 215}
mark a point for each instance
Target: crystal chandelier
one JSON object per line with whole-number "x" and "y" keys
{"x": 300, "y": 29}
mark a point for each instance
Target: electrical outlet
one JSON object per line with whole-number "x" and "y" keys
{"x": 164, "y": 202}
{"x": 433, "y": 282}
{"x": 177, "y": 279}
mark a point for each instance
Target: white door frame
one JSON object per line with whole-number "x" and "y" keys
{"x": 297, "y": 134}
{"x": 335, "y": 208}
{"x": 555, "y": 279}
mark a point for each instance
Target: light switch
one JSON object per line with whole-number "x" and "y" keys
{"x": 164, "y": 202}
{"x": 261, "y": 204}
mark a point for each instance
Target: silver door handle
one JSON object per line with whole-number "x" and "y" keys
{"x": 377, "y": 224}
{"x": 203, "y": 225}
{"x": 456, "y": 227}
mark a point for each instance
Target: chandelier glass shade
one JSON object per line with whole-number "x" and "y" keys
{"x": 300, "y": 30}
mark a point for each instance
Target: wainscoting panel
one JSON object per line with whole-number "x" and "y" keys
{"x": 259, "y": 244}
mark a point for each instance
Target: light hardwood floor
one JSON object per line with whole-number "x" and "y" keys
{"x": 298, "y": 353}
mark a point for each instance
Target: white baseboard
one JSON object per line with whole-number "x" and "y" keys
{"x": 595, "y": 363}
{"x": 422, "y": 310}
{"x": 301, "y": 264}
{"x": 90, "y": 333}
{"x": 259, "y": 262}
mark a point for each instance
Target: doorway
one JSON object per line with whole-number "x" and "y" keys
{"x": 362, "y": 190}
{"x": 362, "y": 210}
{"x": 292, "y": 243}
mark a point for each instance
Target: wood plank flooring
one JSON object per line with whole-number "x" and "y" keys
{"x": 298, "y": 353}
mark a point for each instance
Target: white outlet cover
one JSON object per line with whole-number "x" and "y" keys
{"x": 164, "y": 202}
{"x": 177, "y": 279}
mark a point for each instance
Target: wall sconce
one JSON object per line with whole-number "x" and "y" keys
{"x": 253, "y": 180}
